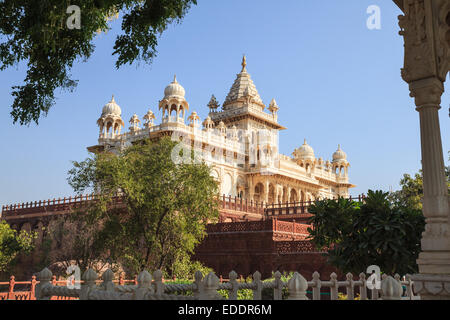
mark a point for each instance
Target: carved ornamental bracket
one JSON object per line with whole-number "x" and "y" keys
{"x": 425, "y": 27}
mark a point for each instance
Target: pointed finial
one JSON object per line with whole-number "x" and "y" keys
{"x": 244, "y": 64}
{"x": 339, "y": 147}
{"x": 304, "y": 142}
{"x": 112, "y": 98}
{"x": 175, "y": 79}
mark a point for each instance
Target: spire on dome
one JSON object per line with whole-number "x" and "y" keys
{"x": 243, "y": 87}
{"x": 174, "y": 79}
{"x": 244, "y": 64}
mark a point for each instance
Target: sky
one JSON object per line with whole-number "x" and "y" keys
{"x": 335, "y": 81}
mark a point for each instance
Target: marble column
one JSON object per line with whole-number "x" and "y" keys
{"x": 425, "y": 29}
{"x": 433, "y": 282}
{"x": 435, "y": 258}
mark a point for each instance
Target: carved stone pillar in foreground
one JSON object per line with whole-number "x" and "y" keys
{"x": 425, "y": 27}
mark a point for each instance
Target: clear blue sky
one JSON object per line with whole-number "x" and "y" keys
{"x": 334, "y": 80}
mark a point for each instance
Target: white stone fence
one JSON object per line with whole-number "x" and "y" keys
{"x": 206, "y": 288}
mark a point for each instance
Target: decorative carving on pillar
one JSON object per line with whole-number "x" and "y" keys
{"x": 432, "y": 286}
{"x": 443, "y": 38}
{"x": 426, "y": 38}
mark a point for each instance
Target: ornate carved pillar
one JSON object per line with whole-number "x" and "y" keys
{"x": 425, "y": 27}
{"x": 266, "y": 191}
{"x": 251, "y": 190}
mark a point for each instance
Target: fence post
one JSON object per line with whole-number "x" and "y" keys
{"x": 391, "y": 289}
{"x": 33, "y": 288}
{"x": 232, "y": 295}
{"x": 89, "y": 277}
{"x": 144, "y": 285}
{"x": 333, "y": 287}
{"x": 107, "y": 278}
{"x": 198, "y": 276}
{"x": 12, "y": 283}
{"x": 278, "y": 290}
{"x": 317, "y": 286}
{"x": 158, "y": 282}
{"x": 409, "y": 289}
{"x": 363, "y": 286}
{"x": 44, "y": 278}
{"x": 297, "y": 286}
{"x": 350, "y": 292}
{"x": 210, "y": 287}
{"x": 257, "y": 292}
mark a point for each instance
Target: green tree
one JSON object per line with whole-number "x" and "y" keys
{"x": 12, "y": 243}
{"x": 376, "y": 232}
{"x": 36, "y": 32}
{"x": 167, "y": 205}
{"x": 411, "y": 191}
{"x": 69, "y": 238}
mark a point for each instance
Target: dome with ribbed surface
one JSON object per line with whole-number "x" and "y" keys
{"x": 305, "y": 152}
{"x": 174, "y": 90}
{"x": 339, "y": 155}
{"x": 111, "y": 108}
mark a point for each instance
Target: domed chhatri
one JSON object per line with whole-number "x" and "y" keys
{"x": 305, "y": 152}
{"x": 111, "y": 108}
{"x": 339, "y": 155}
{"x": 174, "y": 90}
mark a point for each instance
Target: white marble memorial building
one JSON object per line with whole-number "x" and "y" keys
{"x": 240, "y": 142}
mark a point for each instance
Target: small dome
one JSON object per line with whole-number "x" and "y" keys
{"x": 111, "y": 108}
{"x": 174, "y": 89}
{"x": 339, "y": 155}
{"x": 304, "y": 152}
{"x": 208, "y": 123}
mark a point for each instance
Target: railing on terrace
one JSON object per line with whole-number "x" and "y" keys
{"x": 225, "y": 202}
{"x": 150, "y": 287}
{"x": 55, "y": 205}
{"x": 298, "y": 207}
{"x": 266, "y": 225}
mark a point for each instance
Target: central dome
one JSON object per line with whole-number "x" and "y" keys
{"x": 174, "y": 90}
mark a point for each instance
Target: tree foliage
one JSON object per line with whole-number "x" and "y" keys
{"x": 167, "y": 204}
{"x": 12, "y": 243}
{"x": 376, "y": 232}
{"x": 411, "y": 191}
{"x": 71, "y": 239}
{"x": 36, "y": 32}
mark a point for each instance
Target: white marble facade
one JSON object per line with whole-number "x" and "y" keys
{"x": 240, "y": 142}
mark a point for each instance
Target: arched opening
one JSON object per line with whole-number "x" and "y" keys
{"x": 173, "y": 113}
{"x": 302, "y": 196}
{"x": 293, "y": 196}
{"x": 259, "y": 192}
